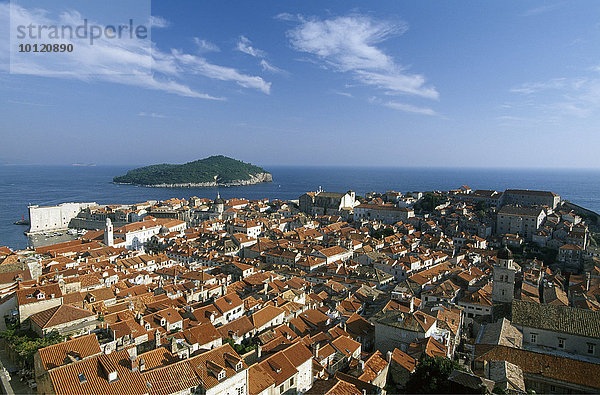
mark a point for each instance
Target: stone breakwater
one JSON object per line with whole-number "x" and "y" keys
{"x": 254, "y": 179}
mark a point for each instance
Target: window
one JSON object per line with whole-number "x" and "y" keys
{"x": 561, "y": 342}
{"x": 591, "y": 348}
{"x": 221, "y": 375}
{"x": 534, "y": 337}
{"x": 292, "y": 382}
{"x": 81, "y": 377}
{"x": 281, "y": 389}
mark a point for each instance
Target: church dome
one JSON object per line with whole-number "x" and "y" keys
{"x": 505, "y": 253}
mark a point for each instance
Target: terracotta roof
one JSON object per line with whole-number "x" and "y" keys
{"x": 358, "y": 326}
{"x": 129, "y": 327}
{"x": 416, "y": 322}
{"x": 279, "y": 367}
{"x": 374, "y": 366}
{"x": 404, "y": 360}
{"x": 314, "y": 317}
{"x": 266, "y": 314}
{"x": 345, "y": 345}
{"x": 58, "y": 354}
{"x": 238, "y": 327}
{"x": 259, "y": 379}
{"x": 30, "y": 295}
{"x": 89, "y": 376}
{"x": 174, "y": 378}
{"x": 228, "y": 302}
{"x": 223, "y": 356}
{"x": 297, "y": 353}
{"x": 331, "y": 251}
{"x": 428, "y": 346}
{"x": 201, "y": 335}
{"x": 59, "y": 315}
{"x": 157, "y": 358}
{"x": 13, "y": 276}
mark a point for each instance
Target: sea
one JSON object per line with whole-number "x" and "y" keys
{"x": 22, "y": 185}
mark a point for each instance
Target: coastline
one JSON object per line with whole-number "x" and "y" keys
{"x": 254, "y": 179}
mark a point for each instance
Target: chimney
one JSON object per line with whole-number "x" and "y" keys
{"x": 132, "y": 351}
{"x": 258, "y": 352}
{"x": 173, "y": 345}
{"x": 157, "y": 338}
{"x": 316, "y": 350}
{"x": 133, "y": 363}
{"x": 389, "y": 356}
{"x": 142, "y": 364}
{"x": 344, "y": 326}
{"x": 361, "y": 365}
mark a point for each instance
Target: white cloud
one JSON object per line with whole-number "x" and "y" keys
{"x": 286, "y": 16}
{"x": 541, "y": 10}
{"x": 534, "y": 87}
{"x": 200, "y": 66}
{"x": 579, "y": 97}
{"x": 27, "y": 103}
{"x": 127, "y": 62}
{"x": 151, "y": 115}
{"x": 158, "y": 21}
{"x": 266, "y": 66}
{"x": 410, "y": 108}
{"x": 343, "y": 93}
{"x": 160, "y": 84}
{"x": 245, "y": 45}
{"x": 206, "y": 46}
{"x": 349, "y": 45}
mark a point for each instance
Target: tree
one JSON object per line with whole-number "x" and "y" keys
{"x": 25, "y": 343}
{"x": 428, "y": 203}
{"x": 480, "y": 206}
{"x": 246, "y": 346}
{"x": 431, "y": 375}
{"x": 381, "y": 233}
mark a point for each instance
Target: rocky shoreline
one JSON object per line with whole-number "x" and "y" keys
{"x": 254, "y": 179}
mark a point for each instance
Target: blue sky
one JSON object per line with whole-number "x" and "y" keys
{"x": 392, "y": 83}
